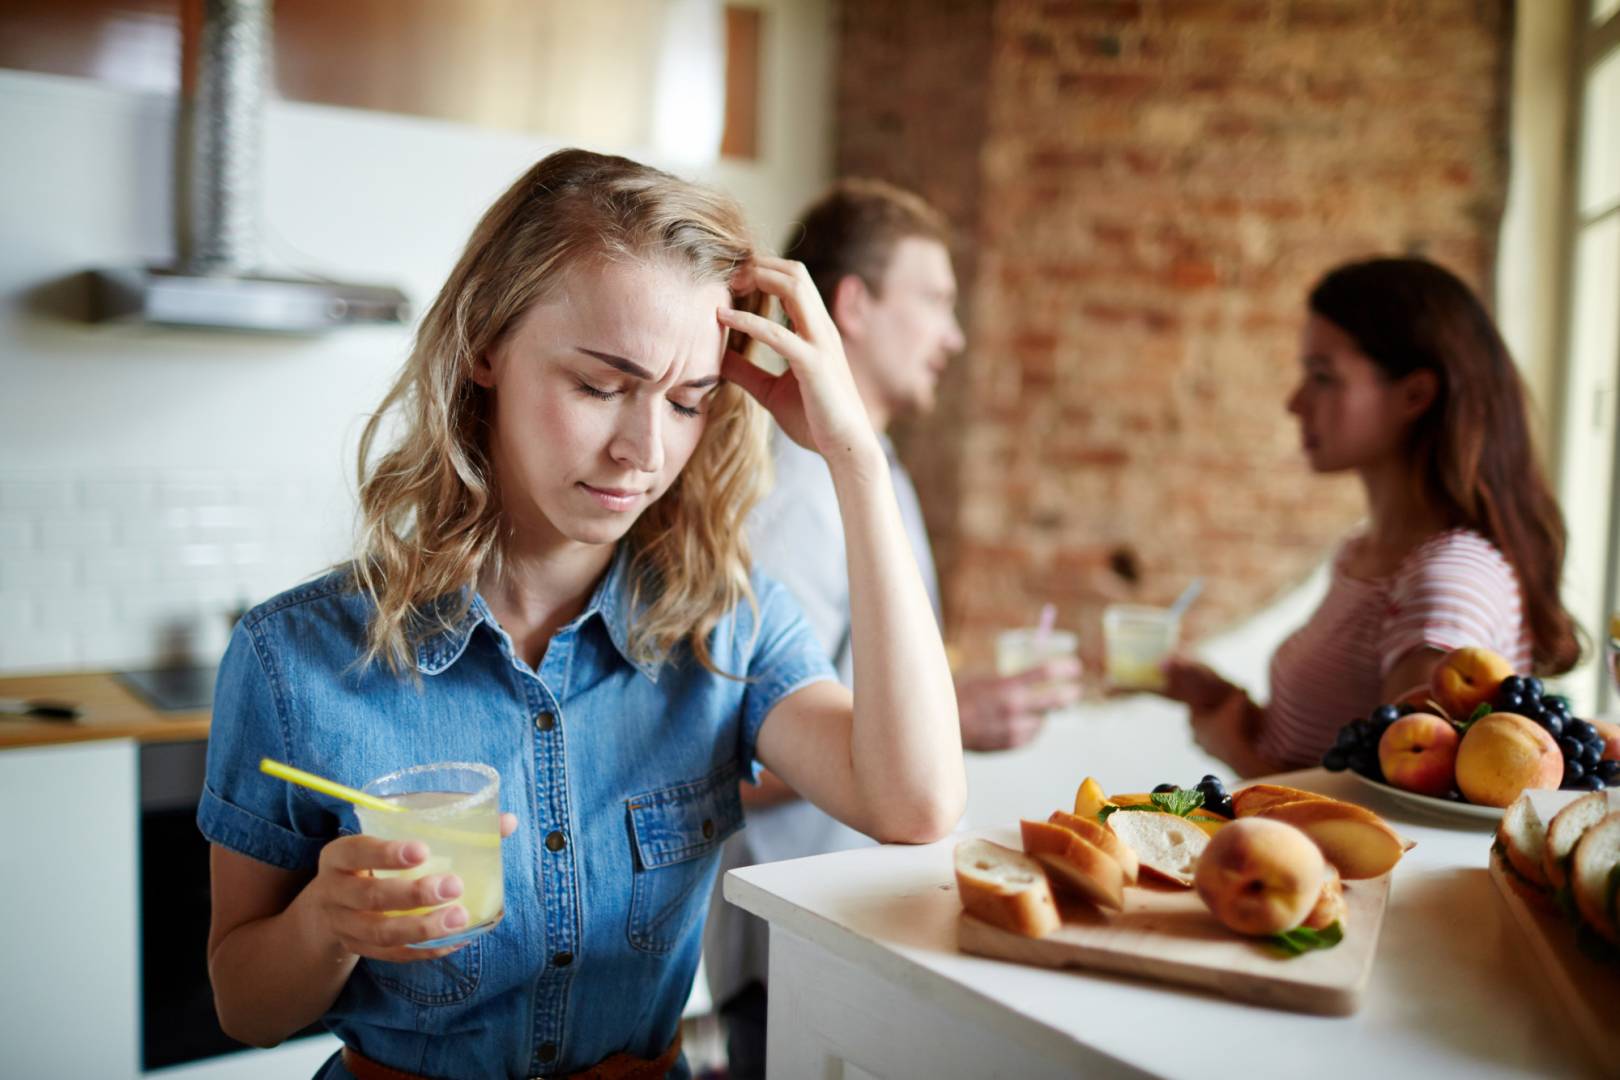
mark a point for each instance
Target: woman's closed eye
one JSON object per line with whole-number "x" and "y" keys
{"x": 600, "y": 394}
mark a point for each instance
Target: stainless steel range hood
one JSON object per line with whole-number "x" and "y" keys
{"x": 217, "y": 283}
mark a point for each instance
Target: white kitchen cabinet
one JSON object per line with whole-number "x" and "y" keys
{"x": 70, "y": 904}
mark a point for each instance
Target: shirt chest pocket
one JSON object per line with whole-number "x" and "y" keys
{"x": 675, "y": 835}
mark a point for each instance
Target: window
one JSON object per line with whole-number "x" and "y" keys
{"x": 1589, "y": 479}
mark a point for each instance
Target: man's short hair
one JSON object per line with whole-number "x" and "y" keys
{"x": 854, "y": 228}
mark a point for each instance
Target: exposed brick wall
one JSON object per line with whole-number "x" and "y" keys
{"x": 1145, "y": 190}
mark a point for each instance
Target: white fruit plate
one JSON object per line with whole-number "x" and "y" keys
{"x": 1429, "y": 804}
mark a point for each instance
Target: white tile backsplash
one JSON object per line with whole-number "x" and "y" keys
{"x": 110, "y": 571}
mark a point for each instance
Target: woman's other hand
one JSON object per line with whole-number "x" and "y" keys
{"x": 1195, "y": 685}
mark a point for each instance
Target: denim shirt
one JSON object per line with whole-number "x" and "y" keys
{"x": 623, "y": 776}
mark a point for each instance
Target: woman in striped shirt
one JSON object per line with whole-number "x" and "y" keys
{"x": 1407, "y": 383}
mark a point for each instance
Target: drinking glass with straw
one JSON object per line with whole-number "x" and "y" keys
{"x": 453, "y": 808}
{"x": 1138, "y": 639}
{"x": 1019, "y": 650}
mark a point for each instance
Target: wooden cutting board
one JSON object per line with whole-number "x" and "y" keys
{"x": 1584, "y": 990}
{"x": 1169, "y": 935}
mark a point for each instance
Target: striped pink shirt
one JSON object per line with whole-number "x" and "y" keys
{"x": 1455, "y": 589}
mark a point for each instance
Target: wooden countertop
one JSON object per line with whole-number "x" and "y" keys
{"x": 109, "y": 710}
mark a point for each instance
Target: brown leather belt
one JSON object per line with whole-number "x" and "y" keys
{"x": 619, "y": 1066}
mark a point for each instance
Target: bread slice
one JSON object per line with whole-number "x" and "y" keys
{"x": 1523, "y": 836}
{"x": 1566, "y": 827}
{"x": 1353, "y": 838}
{"x": 1594, "y": 876}
{"x": 1330, "y": 906}
{"x": 1166, "y": 845}
{"x": 1075, "y": 866}
{"x": 1005, "y": 888}
{"x": 1103, "y": 837}
{"x": 1250, "y": 800}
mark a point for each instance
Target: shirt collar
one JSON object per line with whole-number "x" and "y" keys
{"x": 610, "y": 602}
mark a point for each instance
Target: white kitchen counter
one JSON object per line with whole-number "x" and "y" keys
{"x": 865, "y": 973}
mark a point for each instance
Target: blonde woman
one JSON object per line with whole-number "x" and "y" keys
{"x": 552, "y": 580}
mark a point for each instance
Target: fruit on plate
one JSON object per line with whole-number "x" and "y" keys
{"x": 1351, "y": 837}
{"x": 1168, "y": 846}
{"x": 1089, "y": 799}
{"x": 1101, "y": 835}
{"x": 1075, "y": 866}
{"x": 1418, "y": 752}
{"x": 1005, "y": 888}
{"x": 1467, "y": 678}
{"x": 1564, "y": 831}
{"x": 1259, "y": 876}
{"x": 1502, "y": 754}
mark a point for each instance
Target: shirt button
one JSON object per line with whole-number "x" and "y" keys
{"x": 555, "y": 841}
{"x": 545, "y": 721}
{"x": 563, "y": 959}
{"x": 708, "y": 829}
{"x": 548, "y": 1051}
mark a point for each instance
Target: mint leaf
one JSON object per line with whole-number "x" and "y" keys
{"x": 1102, "y": 815}
{"x": 1303, "y": 939}
{"x": 1179, "y": 802}
{"x": 1481, "y": 711}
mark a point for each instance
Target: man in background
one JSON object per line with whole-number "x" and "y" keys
{"x": 880, "y": 258}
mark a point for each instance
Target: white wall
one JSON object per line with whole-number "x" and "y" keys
{"x": 151, "y": 478}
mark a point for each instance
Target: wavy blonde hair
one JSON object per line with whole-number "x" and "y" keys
{"x": 430, "y": 508}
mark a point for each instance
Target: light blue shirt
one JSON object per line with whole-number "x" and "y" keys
{"x": 634, "y": 767}
{"x": 797, "y": 536}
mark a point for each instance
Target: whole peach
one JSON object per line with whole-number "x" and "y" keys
{"x": 1259, "y": 876}
{"x": 1503, "y": 754}
{"x": 1465, "y": 678}
{"x": 1418, "y": 753}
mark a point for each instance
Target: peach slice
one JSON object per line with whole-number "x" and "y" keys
{"x": 1353, "y": 838}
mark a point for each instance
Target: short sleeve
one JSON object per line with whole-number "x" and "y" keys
{"x": 786, "y": 657}
{"x": 1455, "y": 591}
{"x": 242, "y": 808}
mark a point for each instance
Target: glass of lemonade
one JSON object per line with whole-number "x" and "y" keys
{"x": 1137, "y": 640}
{"x": 1019, "y": 650}
{"x": 455, "y": 809}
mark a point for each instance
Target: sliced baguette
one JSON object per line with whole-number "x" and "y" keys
{"x": 1005, "y": 888}
{"x": 1166, "y": 845}
{"x": 1596, "y": 858}
{"x": 1330, "y": 906}
{"x": 1353, "y": 838}
{"x": 1565, "y": 829}
{"x": 1250, "y": 800}
{"x": 1524, "y": 840}
{"x": 1103, "y": 837}
{"x": 1075, "y": 866}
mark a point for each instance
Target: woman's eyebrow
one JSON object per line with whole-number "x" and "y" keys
{"x": 635, "y": 370}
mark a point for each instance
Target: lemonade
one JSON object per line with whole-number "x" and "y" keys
{"x": 1138, "y": 639}
{"x": 1019, "y": 650}
{"x": 461, "y": 829}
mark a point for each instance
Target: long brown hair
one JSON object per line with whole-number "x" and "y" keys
{"x": 1472, "y": 451}
{"x": 430, "y": 507}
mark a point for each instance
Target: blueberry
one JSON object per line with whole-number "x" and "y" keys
{"x": 1160, "y": 789}
{"x": 1227, "y": 809}
{"x": 1610, "y": 771}
{"x": 1209, "y": 778}
{"x": 1533, "y": 687}
{"x": 1346, "y": 738}
{"x": 1557, "y": 701}
{"x": 1573, "y": 770}
{"x": 1554, "y": 725}
{"x": 1513, "y": 684}
{"x": 1335, "y": 760}
{"x": 1405, "y": 710}
{"x": 1385, "y": 715}
{"x": 1581, "y": 729}
{"x": 1591, "y": 754}
{"x": 1570, "y": 745}
{"x": 1509, "y": 702}
{"x": 1591, "y": 783}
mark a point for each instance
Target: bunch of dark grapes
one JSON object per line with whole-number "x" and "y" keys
{"x": 1584, "y": 767}
{"x": 1356, "y": 747}
{"x": 1216, "y": 798}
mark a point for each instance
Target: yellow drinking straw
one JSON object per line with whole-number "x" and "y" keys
{"x": 326, "y": 787}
